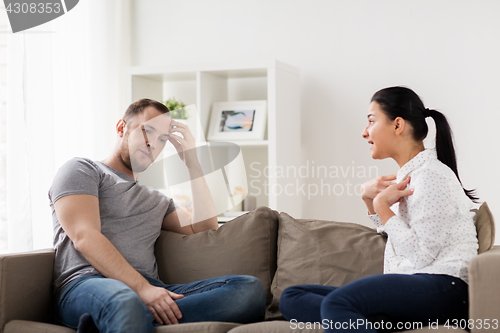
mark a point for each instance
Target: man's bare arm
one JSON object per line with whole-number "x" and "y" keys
{"x": 79, "y": 217}
{"x": 204, "y": 215}
{"x": 171, "y": 222}
{"x": 188, "y": 226}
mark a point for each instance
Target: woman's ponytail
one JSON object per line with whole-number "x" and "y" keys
{"x": 444, "y": 146}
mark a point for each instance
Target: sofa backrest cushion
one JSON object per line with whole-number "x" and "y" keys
{"x": 243, "y": 246}
{"x": 323, "y": 252}
{"x": 485, "y": 227}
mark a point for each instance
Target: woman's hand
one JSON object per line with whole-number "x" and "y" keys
{"x": 388, "y": 197}
{"x": 371, "y": 188}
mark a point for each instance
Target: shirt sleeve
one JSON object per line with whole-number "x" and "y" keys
{"x": 433, "y": 209}
{"x": 77, "y": 176}
{"x": 172, "y": 206}
{"x": 376, "y": 220}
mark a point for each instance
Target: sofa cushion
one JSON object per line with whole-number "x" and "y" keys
{"x": 243, "y": 246}
{"x": 485, "y": 227}
{"x": 325, "y": 253}
{"x": 25, "y": 326}
{"x": 203, "y": 327}
{"x": 277, "y": 326}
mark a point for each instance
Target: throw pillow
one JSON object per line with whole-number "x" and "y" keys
{"x": 243, "y": 246}
{"x": 485, "y": 227}
{"x": 323, "y": 252}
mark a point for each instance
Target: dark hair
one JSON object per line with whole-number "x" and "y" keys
{"x": 405, "y": 103}
{"x": 138, "y": 107}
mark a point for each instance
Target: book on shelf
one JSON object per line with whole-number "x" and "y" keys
{"x": 228, "y": 216}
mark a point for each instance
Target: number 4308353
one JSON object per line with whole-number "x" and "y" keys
{"x": 47, "y": 8}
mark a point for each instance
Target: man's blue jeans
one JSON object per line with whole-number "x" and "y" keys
{"x": 395, "y": 298}
{"x": 115, "y": 307}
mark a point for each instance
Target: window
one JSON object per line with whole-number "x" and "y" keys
{"x": 4, "y": 30}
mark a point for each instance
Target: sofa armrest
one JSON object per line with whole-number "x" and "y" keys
{"x": 26, "y": 286}
{"x": 484, "y": 289}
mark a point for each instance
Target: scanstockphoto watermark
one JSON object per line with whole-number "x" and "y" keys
{"x": 310, "y": 180}
{"x": 356, "y": 324}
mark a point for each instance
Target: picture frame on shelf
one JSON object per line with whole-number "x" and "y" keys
{"x": 237, "y": 121}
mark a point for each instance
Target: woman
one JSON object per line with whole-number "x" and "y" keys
{"x": 425, "y": 212}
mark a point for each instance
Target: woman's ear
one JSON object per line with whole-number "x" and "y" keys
{"x": 399, "y": 125}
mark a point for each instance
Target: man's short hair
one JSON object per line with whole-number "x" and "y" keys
{"x": 138, "y": 107}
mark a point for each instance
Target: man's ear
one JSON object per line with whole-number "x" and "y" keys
{"x": 399, "y": 125}
{"x": 120, "y": 127}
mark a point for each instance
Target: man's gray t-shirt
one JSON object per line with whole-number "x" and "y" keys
{"x": 131, "y": 217}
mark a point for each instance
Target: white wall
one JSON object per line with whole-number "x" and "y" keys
{"x": 448, "y": 51}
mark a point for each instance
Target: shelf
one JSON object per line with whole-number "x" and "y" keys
{"x": 235, "y": 69}
{"x": 175, "y": 76}
{"x": 224, "y": 219}
{"x": 205, "y": 84}
{"x": 242, "y": 73}
{"x": 229, "y": 216}
{"x": 257, "y": 143}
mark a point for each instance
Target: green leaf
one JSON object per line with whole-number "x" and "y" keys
{"x": 177, "y": 108}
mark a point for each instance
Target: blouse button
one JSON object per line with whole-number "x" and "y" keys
{"x": 453, "y": 283}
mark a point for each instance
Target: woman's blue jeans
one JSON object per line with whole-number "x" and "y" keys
{"x": 114, "y": 307}
{"x": 396, "y": 299}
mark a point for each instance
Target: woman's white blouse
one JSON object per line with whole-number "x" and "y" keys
{"x": 433, "y": 229}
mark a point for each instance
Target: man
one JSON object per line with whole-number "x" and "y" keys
{"x": 105, "y": 227}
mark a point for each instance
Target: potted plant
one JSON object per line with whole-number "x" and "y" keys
{"x": 177, "y": 108}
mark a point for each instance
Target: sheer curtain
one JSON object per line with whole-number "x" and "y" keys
{"x": 65, "y": 94}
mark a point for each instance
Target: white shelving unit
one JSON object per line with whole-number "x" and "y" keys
{"x": 274, "y": 81}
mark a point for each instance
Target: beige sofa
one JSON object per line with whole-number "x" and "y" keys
{"x": 278, "y": 249}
